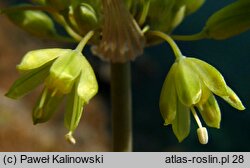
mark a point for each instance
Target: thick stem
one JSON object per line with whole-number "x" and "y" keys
{"x": 121, "y": 107}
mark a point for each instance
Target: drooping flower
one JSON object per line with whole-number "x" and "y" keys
{"x": 191, "y": 84}
{"x": 65, "y": 73}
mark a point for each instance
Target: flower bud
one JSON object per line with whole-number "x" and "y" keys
{"x": 191, "y": 5}
{"x": 179, "y": 16}
{"x": 182, "y": 8}
{"x": 174, "y": 13}
{"x": 229, "y": 21}
{"x": 202, "y": 135}
{"x": 160, "y": 15}
{"x": 85, "y": 17}
{"x": 34, "y": 22}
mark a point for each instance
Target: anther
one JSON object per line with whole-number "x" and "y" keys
{"x": 202, "y": 135}
{"x": 70, "y": 138}
{"x": 201, "y": 131}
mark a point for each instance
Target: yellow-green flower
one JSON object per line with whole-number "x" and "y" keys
{"x": 65, "y": 73}
{"x": 191, "y": 83}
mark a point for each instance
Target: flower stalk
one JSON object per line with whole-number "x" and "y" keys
{"x": 121, "y": 107}
{"x": 167, "y": 38}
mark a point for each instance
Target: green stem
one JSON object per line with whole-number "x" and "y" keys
{"x": 84, "y": 41}
{"x": 60, "y": 19}
{"x": 177, "y": 51}
{"x": 121, "y": 107}
{"x": 193, "y": 37}
{"x": 144, "y": 12}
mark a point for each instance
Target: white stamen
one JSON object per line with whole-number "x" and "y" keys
{"x": 201, "y": 131}
{"x": 70, "y": 138}
{"x": 202, "y": 135}
{"x": 196, "y": 117}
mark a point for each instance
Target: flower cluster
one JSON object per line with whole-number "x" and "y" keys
{"x": 65, "y": 73}
{"x": 191, "y": 84}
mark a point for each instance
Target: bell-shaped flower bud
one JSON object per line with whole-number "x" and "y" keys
{"x": 229, "y": 21}
{"x": 85, "y": 17}
{"x": 36, "y": 23}
{"x": 188, "y": 85}
{"x": 179, "y": 16}
{"x": 182, "y": 8}
{"x": 174, "y": 13}
{"x": 168, "y": 98}
{"x": 210, "y": 112}
{"x": 157, "y": 20}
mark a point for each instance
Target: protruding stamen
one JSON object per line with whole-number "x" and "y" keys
{"x": 202, "y": 135}
{"x": 70, "y": 138}
{"x": 201, "y": 131}
{"x": 43, "y": 98}
{"x": 196, "y": 117}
